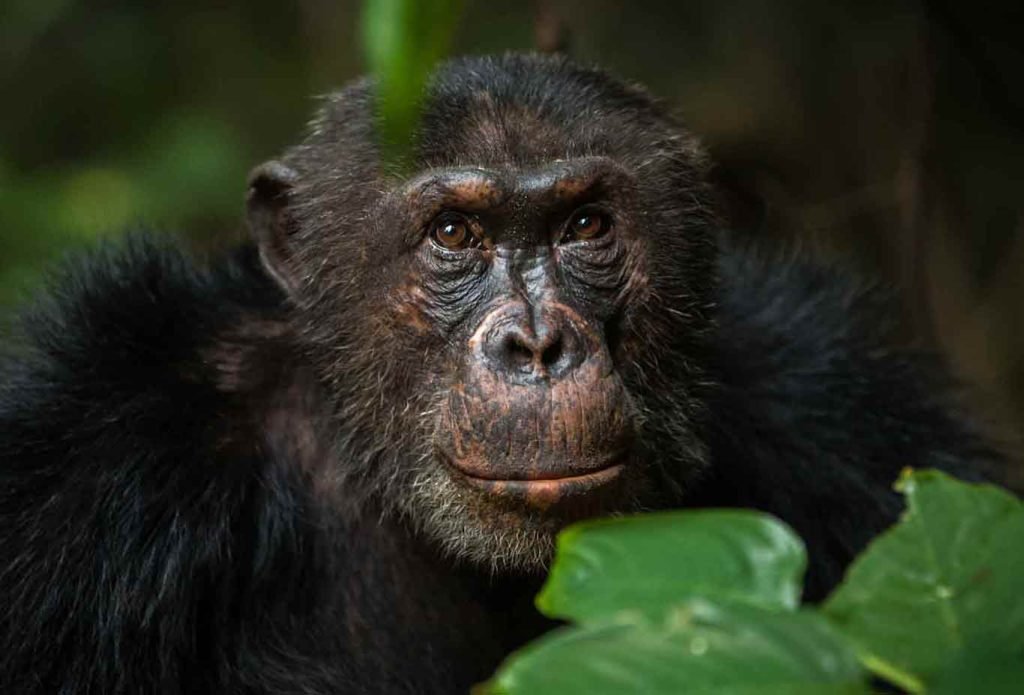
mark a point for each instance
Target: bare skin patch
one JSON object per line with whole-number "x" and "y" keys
{"x": 408, "y": 307}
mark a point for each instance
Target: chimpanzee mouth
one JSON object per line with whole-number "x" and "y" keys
{"x": 544, "y": 488}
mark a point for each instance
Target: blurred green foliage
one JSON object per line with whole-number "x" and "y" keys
{"x": 119, "y": 115}
{"x": 404, "y": 39}
{"x": 184, "y": 162}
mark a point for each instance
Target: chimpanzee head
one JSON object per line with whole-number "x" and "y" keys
{"x": 511, "y": 335}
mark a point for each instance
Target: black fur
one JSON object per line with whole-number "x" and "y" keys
{"x": 155, "y": 535}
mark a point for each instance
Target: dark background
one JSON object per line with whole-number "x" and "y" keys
{"x": 888, "y": 136}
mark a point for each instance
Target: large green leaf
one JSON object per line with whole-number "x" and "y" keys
{"x": 982, "y": 668}
{"x": 945, "y": 580}
{"x": 403, "y": 41}
{"x": 697, "y": 648}
{"x": 648, "y": 562}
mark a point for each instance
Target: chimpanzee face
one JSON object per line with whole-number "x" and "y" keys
{"x": 495, "y": 328}
{"x": 522, "y": 276}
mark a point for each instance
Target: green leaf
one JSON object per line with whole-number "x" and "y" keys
{"x": 698, "y": 648}
{"x": 947, "y": 578}
{"x": 645, "y": 563}
{"x": 404, "y": 39}
{"x": 984, "y": 668}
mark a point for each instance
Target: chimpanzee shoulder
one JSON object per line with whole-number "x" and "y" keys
{"x": 120, "y": 342}
{"x": 121, "y": 490}
{"x": 822, "y": 400}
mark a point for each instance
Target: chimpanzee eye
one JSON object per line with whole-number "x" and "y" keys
{"x": 454, "y": 232}
{"x": 587, "y": 224}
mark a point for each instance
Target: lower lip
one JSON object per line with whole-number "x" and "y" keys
{"x": 546, "y": 492}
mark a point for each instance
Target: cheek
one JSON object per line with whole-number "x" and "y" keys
{"x": 413, "y": 331}
{"x": 434, "y": 298}
{"x": 616, "y": 292}
{"x": 607, "y": 279}
{"x": 408, "y": 309}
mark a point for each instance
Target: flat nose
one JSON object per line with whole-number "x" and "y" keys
{"x": 551, "y": 349}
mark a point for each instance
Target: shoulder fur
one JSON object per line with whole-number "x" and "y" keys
{"x": 821, "y": 403}
{"x": 120, "y": 480}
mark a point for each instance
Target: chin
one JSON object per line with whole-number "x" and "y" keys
{"x": 511, "y": 525}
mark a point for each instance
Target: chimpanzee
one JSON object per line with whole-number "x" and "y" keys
{"x": 334, "y": 461}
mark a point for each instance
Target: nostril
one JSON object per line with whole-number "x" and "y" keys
{"x": 516, "y": 352}
{"x": 562, "y": 354}
{"x": 552, "y": 353}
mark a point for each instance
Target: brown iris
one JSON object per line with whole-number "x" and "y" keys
{"x": 453, "y": 232}
{"x": 587, "y": 224}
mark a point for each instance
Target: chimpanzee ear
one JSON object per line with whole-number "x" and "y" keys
{"x": 270, "y": 186}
